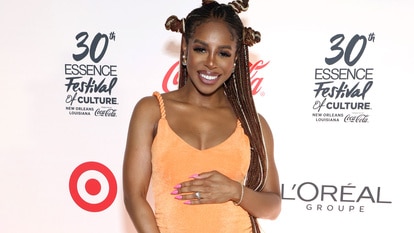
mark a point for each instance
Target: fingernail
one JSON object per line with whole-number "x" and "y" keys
{"x": 177, "y": 186}
{"x": 194, "y": 176}
{"x": 179, "y": 197}
{"x": 187, "y": 202}
{"x": 174, "y": 192}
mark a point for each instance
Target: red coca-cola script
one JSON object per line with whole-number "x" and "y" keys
{"x": 170, "y": 81}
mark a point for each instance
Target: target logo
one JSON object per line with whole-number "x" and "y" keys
{"x": 93, "y": 186}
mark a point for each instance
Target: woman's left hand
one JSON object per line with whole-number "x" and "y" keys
{"x": 207, "y": 188}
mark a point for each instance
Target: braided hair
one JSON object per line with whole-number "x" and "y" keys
{"x": 238, "y": 87}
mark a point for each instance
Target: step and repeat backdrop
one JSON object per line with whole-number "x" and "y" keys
{"x": 333, "y": 78}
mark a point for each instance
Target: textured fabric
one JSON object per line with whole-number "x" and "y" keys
{"x": 174, "y": 160}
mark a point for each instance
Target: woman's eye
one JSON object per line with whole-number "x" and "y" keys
{"x": 199, "y": 50}
{"x": 225, "y": 54}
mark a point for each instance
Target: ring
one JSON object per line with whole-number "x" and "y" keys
{"x": 197, "y": 194}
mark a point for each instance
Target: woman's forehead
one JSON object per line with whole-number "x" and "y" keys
{"x": 216, "y": 28}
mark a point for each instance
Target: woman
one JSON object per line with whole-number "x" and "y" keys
{"x": 204, "y": 148}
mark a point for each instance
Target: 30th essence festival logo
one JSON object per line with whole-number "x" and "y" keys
{"x": 331, "y": 198}
{"x": 170, "y": 81}
{"x": 342, "y": 86}
{"x": 90, "y": 83}
{"x": 93, "y": 186}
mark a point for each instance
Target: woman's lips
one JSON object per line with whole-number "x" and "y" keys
{"x": 208, "y": 76}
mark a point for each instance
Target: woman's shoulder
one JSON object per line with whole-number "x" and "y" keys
{"x": 153, "y": 102}
{"x": 149, "y": 101}
{"x": 147, "y": 107}
{"x": 266, "y": 129}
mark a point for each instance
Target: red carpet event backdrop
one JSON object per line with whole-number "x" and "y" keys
{"x": 333, "y": 79}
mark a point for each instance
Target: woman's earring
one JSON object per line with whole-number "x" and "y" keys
{"x": 234, "y": 66}
{"x": 184, "y": 61}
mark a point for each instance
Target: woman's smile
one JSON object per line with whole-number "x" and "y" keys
{"x": 208, "y": 77}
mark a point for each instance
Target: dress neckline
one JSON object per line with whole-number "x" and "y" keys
{"x": 238, "y": 127}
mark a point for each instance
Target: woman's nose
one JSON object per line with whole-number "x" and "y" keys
{"x": 210, "y": 62}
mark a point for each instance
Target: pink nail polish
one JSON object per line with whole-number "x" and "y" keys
{"x": 194, "y": 176}
{"x": 174, "y": 192}
{"x": 187, "y": 202}
{"x": 179, "y": 197}
{"x": 177, "y": 186}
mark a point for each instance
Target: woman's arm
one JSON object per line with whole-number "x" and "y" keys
{"x": 267, "y": 203}
{"x": 137, "y": 165}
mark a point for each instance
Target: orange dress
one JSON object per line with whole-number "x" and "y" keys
{"x": 174, "y": 160}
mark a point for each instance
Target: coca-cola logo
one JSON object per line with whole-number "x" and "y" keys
{"x": 356, "y": 118}
{"x": 110, "y": 112}
{"x": 170, "y": 81}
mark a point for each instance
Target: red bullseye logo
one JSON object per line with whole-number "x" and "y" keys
{"x": 93, "y": 186}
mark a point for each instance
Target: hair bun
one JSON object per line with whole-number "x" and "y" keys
{"x": 174, "y": 24}
{"x": 239, "y": 5}
{"x": 205, "y": 2}
{"x": 250, "y": 36}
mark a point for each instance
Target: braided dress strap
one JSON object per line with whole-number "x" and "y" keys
{"x": 161, "y": 102}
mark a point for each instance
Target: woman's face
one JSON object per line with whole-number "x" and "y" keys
{"x": 210, "y": 56}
